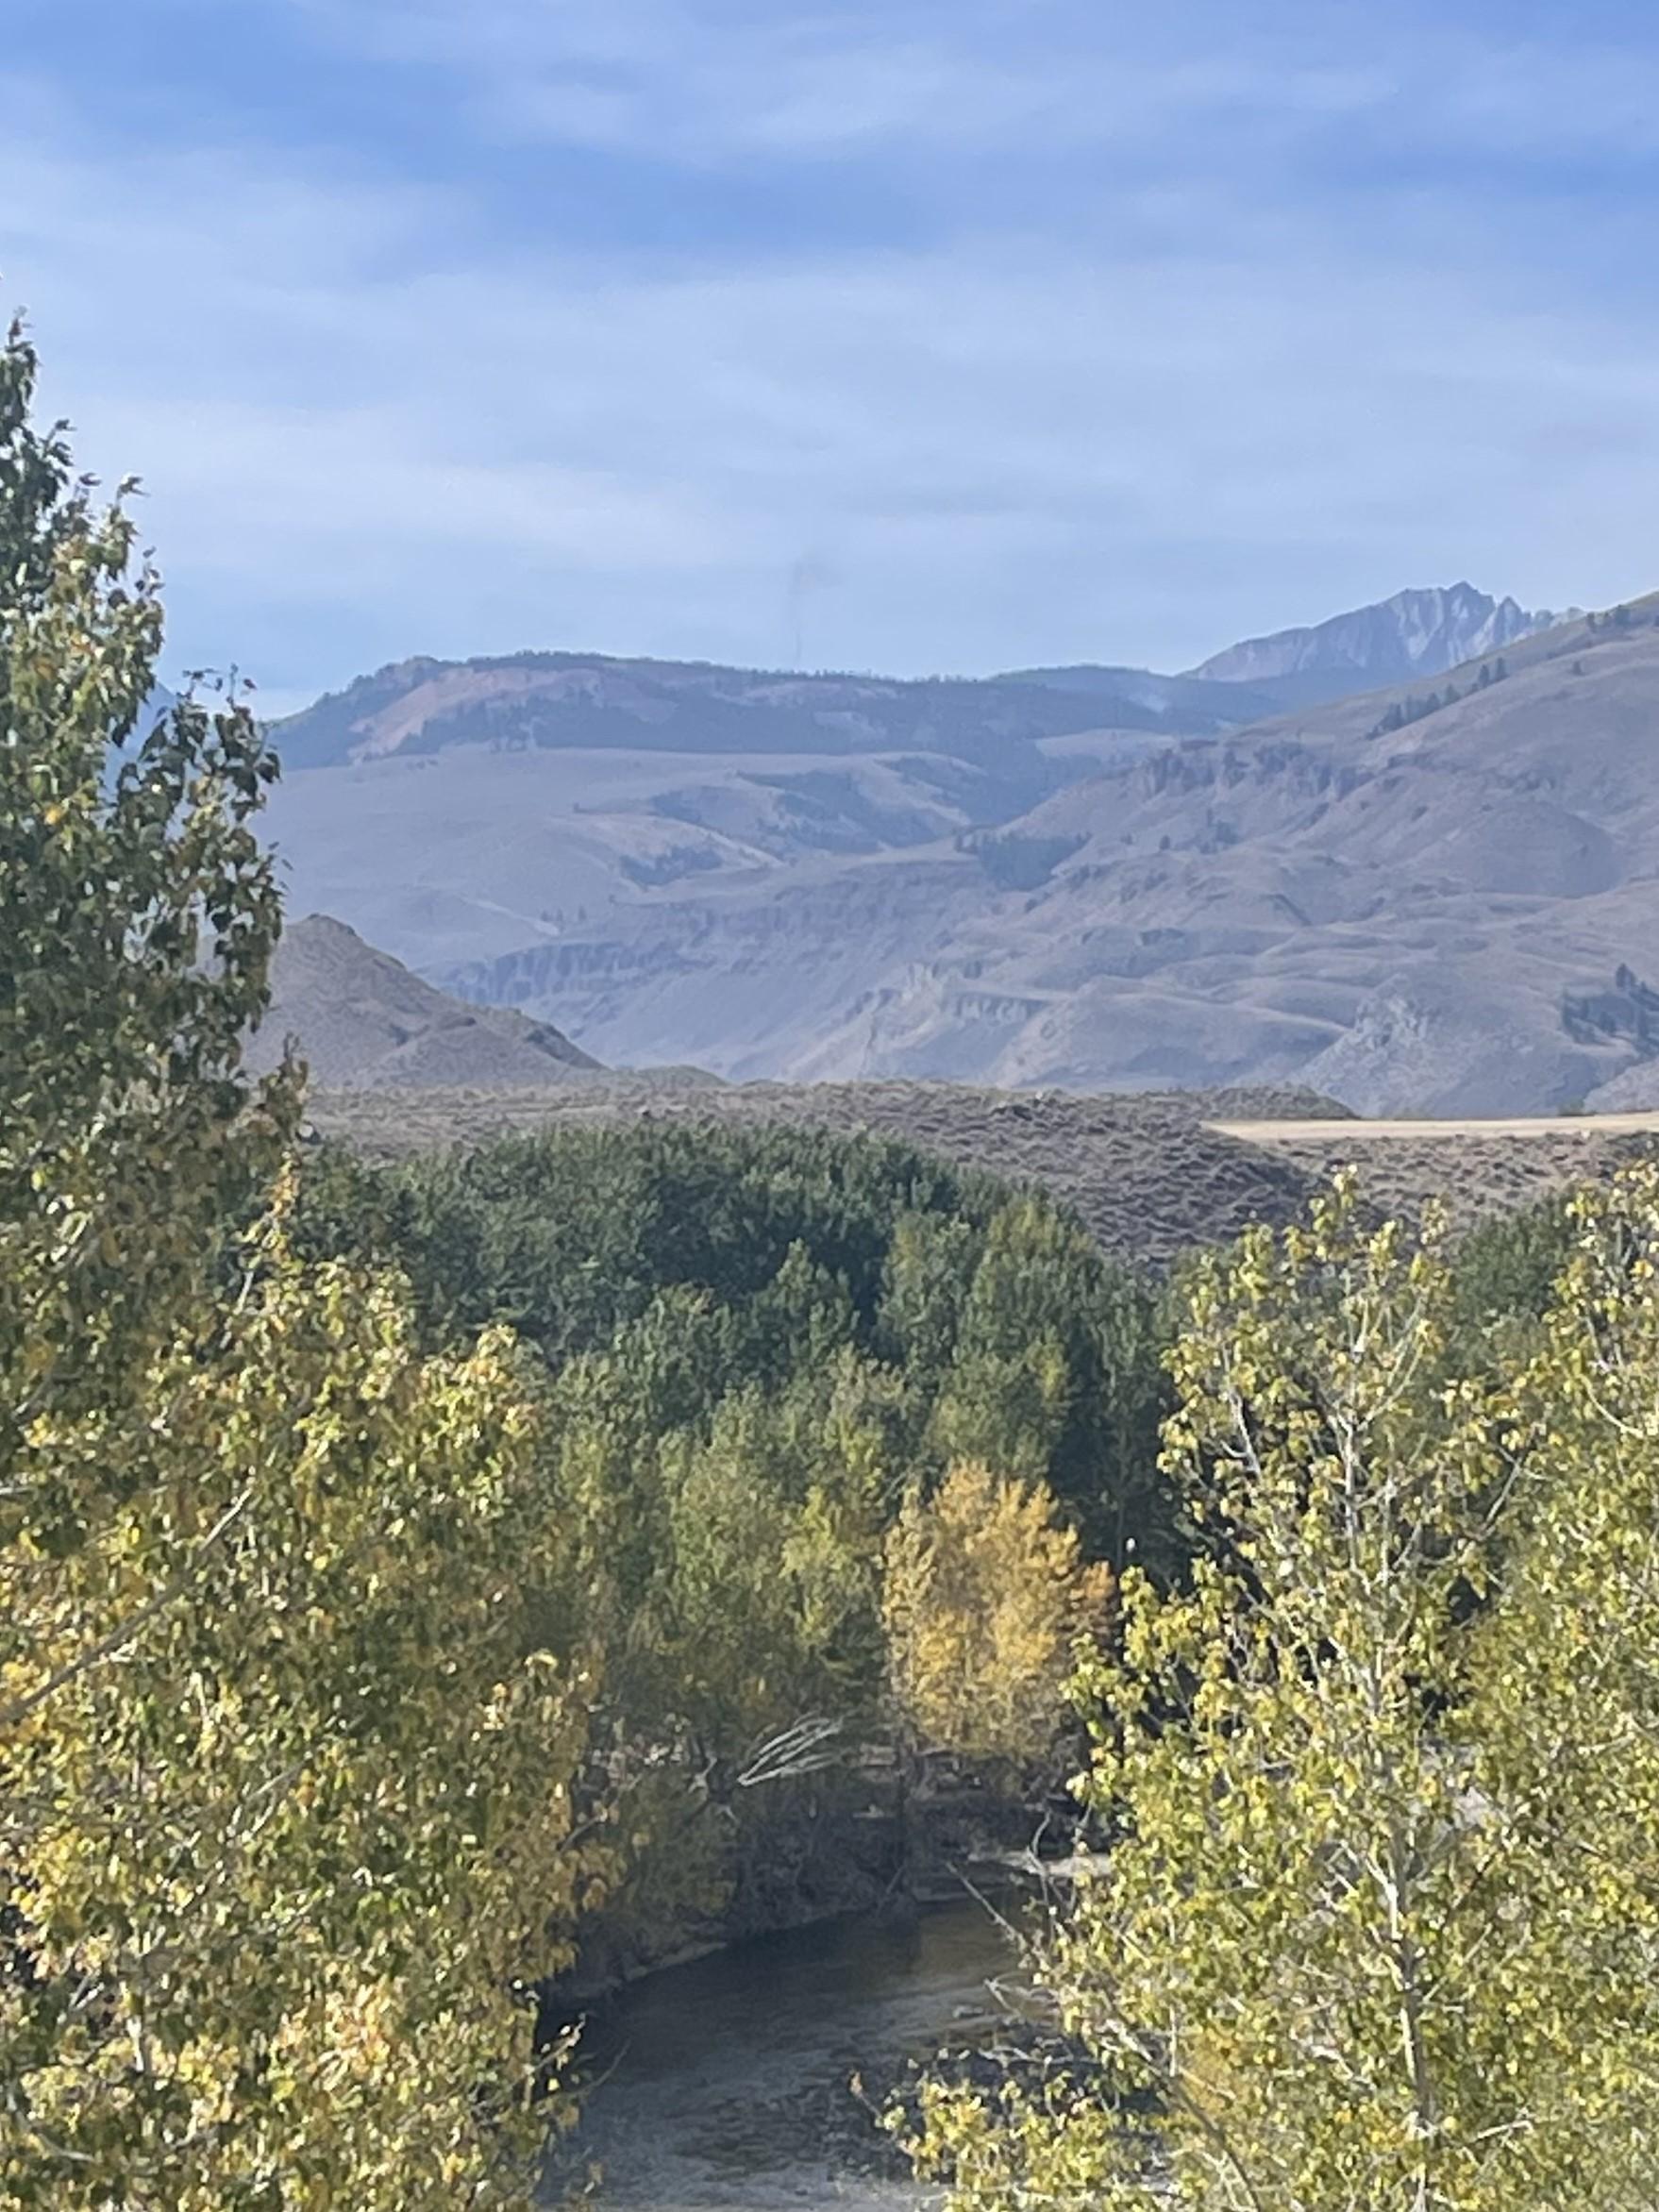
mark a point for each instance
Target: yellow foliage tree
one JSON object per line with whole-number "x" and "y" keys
{"x": 284, "y": 1783}
{"x": 985, "y": 1594}
{"x": 1379, "y": 1926}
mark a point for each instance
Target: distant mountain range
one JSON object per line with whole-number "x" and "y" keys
{"x": 1440, "y": 893}
{"x": 594, "y": 702}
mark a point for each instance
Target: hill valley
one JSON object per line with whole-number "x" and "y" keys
{"x": 1436, "y": 897}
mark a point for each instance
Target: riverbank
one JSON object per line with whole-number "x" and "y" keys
{"x": 839, "y": 1850}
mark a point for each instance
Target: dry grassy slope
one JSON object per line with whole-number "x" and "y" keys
{"x": 1396, "y": 919}
{"x": 472, "y": 856}
{"x": 1400, "y": 919}
{"x": 1149, "y": 1175}
{"x": 592, "y": 701}
{"x": 360, "y": 1018}
{"x": 1475, "y": 1169}
{"x": 1146, "y": 1174}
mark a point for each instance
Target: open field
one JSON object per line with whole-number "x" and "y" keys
{"x": 1478, "y": 1168}
{"x": 1547, "y": 1129}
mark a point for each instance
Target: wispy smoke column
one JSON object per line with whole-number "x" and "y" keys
{"x": 812, "y": 572}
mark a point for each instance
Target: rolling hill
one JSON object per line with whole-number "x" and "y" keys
{"x": 1152, "y": 1177}
{"x": 362, "y": 1020}
{"x": 1442, "y": 895}
{"x": 593, "y": 703}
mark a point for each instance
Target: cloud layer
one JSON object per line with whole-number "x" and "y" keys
{"x": 1023, "y": 335}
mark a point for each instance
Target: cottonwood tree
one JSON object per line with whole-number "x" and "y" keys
{"x": 1367, "y": 1935}
{"x": 985, "y": 1592}
{"x": 1566, "y": 1725}
{"x": 282, "y": 1778}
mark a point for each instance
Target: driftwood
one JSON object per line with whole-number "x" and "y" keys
{"x": 1078, "y": 1865}
{"x": 808, "y": 1748}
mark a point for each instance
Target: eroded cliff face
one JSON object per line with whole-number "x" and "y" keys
{"x": 1401, "y": 909}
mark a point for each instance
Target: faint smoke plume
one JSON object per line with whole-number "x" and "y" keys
{"x": 811, "y": 574}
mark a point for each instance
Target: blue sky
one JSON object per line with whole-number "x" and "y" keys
{"x": 950, "y": 334}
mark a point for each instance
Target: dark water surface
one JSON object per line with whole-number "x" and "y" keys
{"x": 725, "y": 2082}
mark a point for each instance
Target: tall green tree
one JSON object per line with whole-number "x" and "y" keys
{"x": 137, "y": 919}
{"x": 1053, "y": 1375}
{"x": 284, "y": 1778}
{"x": 1375, "y": 1922}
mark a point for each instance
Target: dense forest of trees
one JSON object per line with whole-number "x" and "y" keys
{"x": 757, "y": 1348}
{"x": 413, "y": 1578}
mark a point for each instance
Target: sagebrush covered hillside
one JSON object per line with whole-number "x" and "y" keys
{"x": 1439, "y": 896}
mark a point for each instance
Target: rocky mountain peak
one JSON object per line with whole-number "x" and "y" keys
{"x": 1419, "y": 632}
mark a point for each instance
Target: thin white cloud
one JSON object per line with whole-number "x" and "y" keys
{"x": 700, "y": 81}
{"x": 367, "y": 431}
{"x": 704, "y": 84}
{"x": 338, "y": 482}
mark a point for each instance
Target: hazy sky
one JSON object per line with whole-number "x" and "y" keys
{"x": 956, "y": 334}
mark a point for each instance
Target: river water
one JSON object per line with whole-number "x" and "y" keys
{"x": 726, "y": 2082}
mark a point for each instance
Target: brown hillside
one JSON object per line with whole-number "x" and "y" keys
{"x": 1409, "y": 901}
{"x": 361, "y": 1019}
{"x": 1149, "y": 1175}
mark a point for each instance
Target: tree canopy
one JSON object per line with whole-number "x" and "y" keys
{"x": 757, "y": 1345}
{"x": 284, "y": 1766}
{"x": 1378, "y": 1918}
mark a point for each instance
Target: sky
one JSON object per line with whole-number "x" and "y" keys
{"x": 910, "y": 335}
